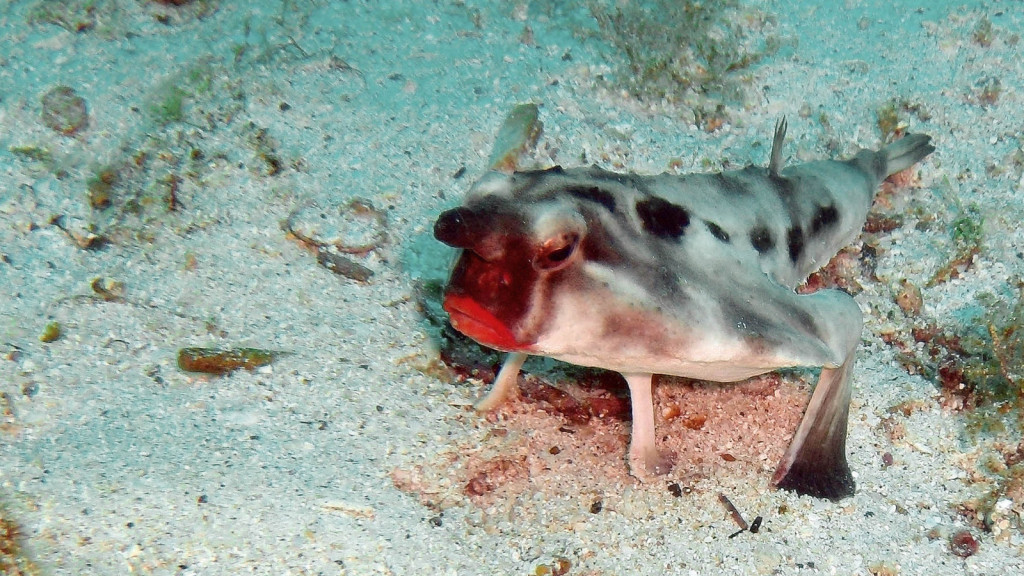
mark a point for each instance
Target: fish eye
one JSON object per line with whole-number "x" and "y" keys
{"x": 556, "y": 252}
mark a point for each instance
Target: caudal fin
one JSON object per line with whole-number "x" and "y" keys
{"x": 904, "y": 153}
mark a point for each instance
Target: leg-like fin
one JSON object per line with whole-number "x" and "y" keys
{"x": 775, "y": 161}
{"x": 642, "y": 450}
{"x": 815, "y": 463}
{"x": 504, "y": 384}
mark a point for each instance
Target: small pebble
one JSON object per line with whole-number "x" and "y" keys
{"x": 908, "y": 298}
{"x": 213, "y": 361}
{"x": 51, "y": 333}
{"x": 30, "y": 389}
{"x": 343, "y": 266}
{"x": 755, "y": 526}
{"x": 964, "y": 544}
{"x": 695, "y": 422}
{"x": 107, "y": 289}
{"x": 64, "y": 111}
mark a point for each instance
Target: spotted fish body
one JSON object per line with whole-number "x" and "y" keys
{"x": 689, "y": 275}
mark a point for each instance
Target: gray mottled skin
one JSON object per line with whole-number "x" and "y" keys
{"x": 688, "y": 275}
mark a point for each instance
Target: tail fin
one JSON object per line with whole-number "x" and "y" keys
{"x": 904, "y": 153}
{"x": 895, "y": 157}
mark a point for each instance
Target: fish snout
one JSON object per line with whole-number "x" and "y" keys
{"x": 487, "y": 300}
{"x": 465, "y": 228}
{"x": 459, "y": 228}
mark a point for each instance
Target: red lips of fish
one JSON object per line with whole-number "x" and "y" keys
{"x": 473, "y": 320}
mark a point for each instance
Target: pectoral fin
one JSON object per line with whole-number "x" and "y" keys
{"x": 818, "y": 329}
{"x": 504, "y": 384}
{"x": 815, "y": 462}
{"x": 644, "y": 457}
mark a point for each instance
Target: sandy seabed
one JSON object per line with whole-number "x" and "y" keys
{"x": 354, "y": 452}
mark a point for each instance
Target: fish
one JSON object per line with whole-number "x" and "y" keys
{"x": 690, "y": 275}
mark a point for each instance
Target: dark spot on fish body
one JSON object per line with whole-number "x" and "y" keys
{"x": 717, "y": 231}
{"x": 761, "y": 239}
{"x": 825, "y": 217}
{"x": 662, "y": 218}
{"x": 795, "y": 242}
{"x": 784, "y": 187}
{"x": 592, "y": 194}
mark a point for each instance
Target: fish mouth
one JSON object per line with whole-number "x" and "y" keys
{"x": 473, "y": 320}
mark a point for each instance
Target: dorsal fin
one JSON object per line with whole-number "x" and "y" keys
{"x": 776, "y": 160}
